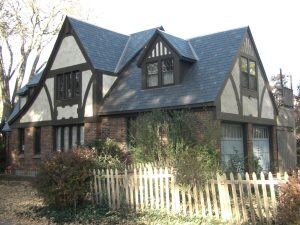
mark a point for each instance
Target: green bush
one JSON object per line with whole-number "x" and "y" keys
{"x": 108, "y": 154}
{"x": 173, "y": 138}
{"x": 289, "y": 202}
{"x": 64, "y": 179}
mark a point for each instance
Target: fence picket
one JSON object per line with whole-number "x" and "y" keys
{"x": 151, "y": 188}
{"x": 108, "y": 189}
{"x": 252, "y": 213}
{"x": 136, "y": 193}
{"x": 189, "y": 195}
{"x": 196, "y": 202}
{"x": 117, "y": 189}
{"x": 156, "y": 188}
{"x": 241, "y": 191}
{"x": 148, "y": 186}
{"x": 214, "y": 198}
{"x": 161, "y": 187}
{"x": 146, "y": 177}
{"x": 273, "y": 199}
{"x": 208, "y": 200}
{"x": 265, "y": 198}
{"x": 203, "y": 208}
{"x": 167, "y": 189}
{"x": 235, "y": 202}
{"x": 257, "y": 195}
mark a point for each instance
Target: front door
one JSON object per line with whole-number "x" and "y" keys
{"x": 261, "y": 146}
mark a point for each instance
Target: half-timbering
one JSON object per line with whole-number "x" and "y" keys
{"x": 96, "y": 79}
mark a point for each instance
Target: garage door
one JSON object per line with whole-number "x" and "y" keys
{"x": 232, "y": 143}
{"x": 261, "y": 146}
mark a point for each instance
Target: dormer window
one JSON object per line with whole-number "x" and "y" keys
{"x": 160, "y": 73}
{"x": 152, "y": 74}
{"x": 248, "y": 74}
{"x": 167, "y": 67}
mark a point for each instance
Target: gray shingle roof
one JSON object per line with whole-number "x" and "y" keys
{"x": 201, "y": 83}
{"x": 103, "y": 47}
{"x": 135, "y": 43}
{"x": 181, "y": 46}
{"x": 33, "y": 81}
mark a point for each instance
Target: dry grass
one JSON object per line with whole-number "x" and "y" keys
{"x": 20, "y": 204}
{"x": 15, "y": 198}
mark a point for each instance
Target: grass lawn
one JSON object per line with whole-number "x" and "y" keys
{"x": 19, "y": 204}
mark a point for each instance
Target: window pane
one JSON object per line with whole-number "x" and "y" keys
{"x": 252, "y": 82}
{"x": 60, "y": 86}
{"x": 74, "y": 136}
{"x": 252, "y": 68}
{"x": 66, "y": 139}
{"x": 152, "y": 80}
{"x": 37, "y": 147}
{"x": 58, "y": 138}
{"x": 167, "y": 71}
{"x": 152, "y": 68}
{"x": 68, "y": 85}
{"x": 245, "y": 80}
{"x": 81, "y": 135}
{"x": 76, "y": 84}
{"x": 244, "y": 65}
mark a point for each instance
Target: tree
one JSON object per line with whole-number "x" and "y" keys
{"x": 280, "y": 80}
{"x": 26, "y": 28}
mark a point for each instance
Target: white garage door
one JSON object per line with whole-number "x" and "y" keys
{"x": 261, "y": 146}
{"x": 232, "y": 143}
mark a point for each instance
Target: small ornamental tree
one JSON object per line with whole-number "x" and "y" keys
{"x": 64, "y": 179}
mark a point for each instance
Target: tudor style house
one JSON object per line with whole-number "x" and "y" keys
{"x": 96, "y": 80}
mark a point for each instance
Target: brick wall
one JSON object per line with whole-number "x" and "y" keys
{"x": 29, "y": 161}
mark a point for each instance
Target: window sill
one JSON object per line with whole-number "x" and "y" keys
{"x": 36, "y": 157}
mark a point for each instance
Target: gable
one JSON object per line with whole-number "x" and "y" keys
{"x": 158, "y": 48}
{"x": 253, "y": 103}
{"x": 68, "y": 54}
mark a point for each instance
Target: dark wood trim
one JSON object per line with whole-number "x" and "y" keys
{"x": 189, "y": 106}
{"x": 49, "y": 100}
{"x": 86, "y": 95}
{"x": 149, "y": 45}
{"x": 246, "y": 119}
{"x": 81, "y": 67}
{"x": 97, "y": 91}
{"x": 249, "y": 93}
{"x": 66, "y": 28}
{"x": 261, "y": 100}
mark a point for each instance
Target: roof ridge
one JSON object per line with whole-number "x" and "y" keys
{"x": 96, "y": 26}
{"x": 220, "y": 32}
{"x": 122, "y": 55}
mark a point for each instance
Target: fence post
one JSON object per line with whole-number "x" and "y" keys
{"x": 235, "y": 201}
{"x": 108, "y": 188}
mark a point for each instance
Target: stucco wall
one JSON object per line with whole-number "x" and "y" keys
{"x": 39, "y": 110}
{"x": 108, "y": 81}
{"x": 86, "y": 77}
{"x": 250, "y": 107}
{"x": 69, "y": 54}
{"x": 67, "y": 112}
{"x": 267, "y": 109}
{"x": 228, "y": 99}
{"x": 50, "y": 86}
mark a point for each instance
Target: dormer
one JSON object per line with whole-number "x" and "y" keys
{"x": 164, "y": 59}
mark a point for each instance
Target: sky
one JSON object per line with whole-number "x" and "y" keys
{"x": 274, "y": 24}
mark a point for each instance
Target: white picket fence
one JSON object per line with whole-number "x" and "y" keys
{"x": 235, "y": 198}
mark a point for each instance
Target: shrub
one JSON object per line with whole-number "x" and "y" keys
{"x": 64, "y": 179}
{"x": 289, "y": 202}
{"x": 172, "y": 137}
{"x": 108, "y": 154}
